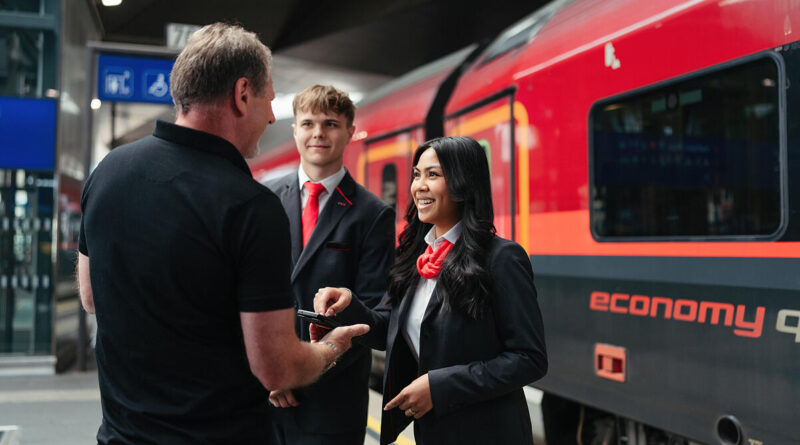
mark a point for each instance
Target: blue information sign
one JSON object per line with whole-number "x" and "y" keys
{"x": 133, "y": 79}
{"x": 27, "y": 133}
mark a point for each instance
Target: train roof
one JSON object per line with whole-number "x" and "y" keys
{"x": 400, "y": 103}
{"x": 499, "y": 58}
{"x": 405, "y": 101}
{"x": 437, "y": 67}
{"x": 565, "y": 29}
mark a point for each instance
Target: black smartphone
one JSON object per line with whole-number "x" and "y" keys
{"x": 318, "y": 319}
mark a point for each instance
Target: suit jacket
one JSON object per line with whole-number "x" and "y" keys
{"x": 476, "y": 368}
{"x": 351, "y": 246}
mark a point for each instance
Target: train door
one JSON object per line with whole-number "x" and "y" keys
{"x": 386, "y": 169}
{"x": 491, "y": 123}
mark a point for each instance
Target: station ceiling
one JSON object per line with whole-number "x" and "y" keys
{"x": 381, "y": 37}
{"x": 355, "y": 45}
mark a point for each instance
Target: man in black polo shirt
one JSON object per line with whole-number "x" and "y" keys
{"x": 186, "y": 261}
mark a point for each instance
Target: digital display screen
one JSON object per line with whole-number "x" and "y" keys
{"x": 28, "y": 133}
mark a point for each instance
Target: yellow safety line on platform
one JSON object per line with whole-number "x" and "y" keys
{"x": 375, "y": 425}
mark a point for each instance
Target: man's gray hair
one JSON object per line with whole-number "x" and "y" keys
{"x": 215, "y": 57}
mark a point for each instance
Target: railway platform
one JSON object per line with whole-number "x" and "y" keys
{"x": 65, "y": 409}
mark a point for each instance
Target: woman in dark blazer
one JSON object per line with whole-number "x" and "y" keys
{"x": 460, "y": 323}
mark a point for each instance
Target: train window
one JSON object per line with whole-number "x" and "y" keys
{"x": 699, "y": 157}
{"x": 389, "y": 185}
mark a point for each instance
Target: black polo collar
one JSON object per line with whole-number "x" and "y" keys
{"x": 201, "y": 140}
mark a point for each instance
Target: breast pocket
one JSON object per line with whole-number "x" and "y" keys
{"x": 334, "y": 265}
{"x": 341, "y": 247}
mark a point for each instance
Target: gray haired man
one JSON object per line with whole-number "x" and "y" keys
{"x": 185, "y": 260}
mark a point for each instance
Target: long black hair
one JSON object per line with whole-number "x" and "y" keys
{"x": 464, "y": 281}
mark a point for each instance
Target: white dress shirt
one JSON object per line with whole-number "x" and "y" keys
{"x": 330, "y": 183}
{"x": 422, "y": 296}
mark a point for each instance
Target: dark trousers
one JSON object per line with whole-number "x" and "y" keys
{"x": 289, "y": 435}
{"x": 417, "y": 434}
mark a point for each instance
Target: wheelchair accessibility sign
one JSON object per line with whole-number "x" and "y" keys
{"x": 133, "y": 79}
{"x": 156, "y": 84}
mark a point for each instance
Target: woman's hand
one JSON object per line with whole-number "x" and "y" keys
{"x": 282, "y": 398}
{"x": 415, "y": 399}
{"x": 330, "y": 301}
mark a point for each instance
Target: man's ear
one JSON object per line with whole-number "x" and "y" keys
{"x": 350, "y": 131}
{"x": 241, "y": 95}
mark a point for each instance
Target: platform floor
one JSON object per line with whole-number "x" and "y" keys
{"x": 65, "y": 409}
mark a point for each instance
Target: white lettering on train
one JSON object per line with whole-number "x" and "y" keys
{"x": 782, "y": 325}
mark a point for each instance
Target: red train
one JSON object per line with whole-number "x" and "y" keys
{"x": 644, "y": 153}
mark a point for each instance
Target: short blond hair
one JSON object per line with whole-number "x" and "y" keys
{"x": 214, "y": 58}
{"x": 325, "y": 99}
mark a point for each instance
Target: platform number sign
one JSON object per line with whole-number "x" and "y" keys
{"x": 178, "y": 34}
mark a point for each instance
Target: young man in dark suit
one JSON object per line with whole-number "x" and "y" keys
{"x": 342, "y": 236}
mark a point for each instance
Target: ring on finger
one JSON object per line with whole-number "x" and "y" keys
{"x": 410, "y": 412}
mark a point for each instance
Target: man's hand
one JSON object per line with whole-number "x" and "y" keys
{"x": 342, "y": 337}
{"x": 330, "y": 301}
{"x": 282, "y": 398}
{"x": 279, "y": 359}
{"x": 415, "y": 399}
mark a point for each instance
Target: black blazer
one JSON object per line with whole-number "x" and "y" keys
{"x": 352, "y": 246}
{"x": 476, "y": 368}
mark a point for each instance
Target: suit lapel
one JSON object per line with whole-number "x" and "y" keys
{"x": 402, "y": 312}
{"x": 338, "y": 204}
{"x": 290, "y": 198}
{"x": 433, "y": 303}
{"x": 399, "y": 359}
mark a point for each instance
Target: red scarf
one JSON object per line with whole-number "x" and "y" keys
{"x": 429, "y": 264}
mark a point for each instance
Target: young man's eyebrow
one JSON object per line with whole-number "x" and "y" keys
{"x": 330, "y": 119}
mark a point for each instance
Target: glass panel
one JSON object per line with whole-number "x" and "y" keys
{"x": 389, "y": 185}
{"x": 698, "y": 157}
{"x": 26, "y": 213}
{"x": 25, "y": 62}
{"x": 388, "y": 169}
{"x": 20, "y": 5}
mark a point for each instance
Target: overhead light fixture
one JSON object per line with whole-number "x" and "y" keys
{"x": 111, "y": 2}
{"x": 95, "y": 104}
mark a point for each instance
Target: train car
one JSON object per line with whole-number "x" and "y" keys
{"x": 644, "y": 154}
{"x": 649, "y": 150}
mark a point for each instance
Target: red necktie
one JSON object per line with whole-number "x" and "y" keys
{"x": 311, "y": 212}
{"x": 429, "y": 264}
